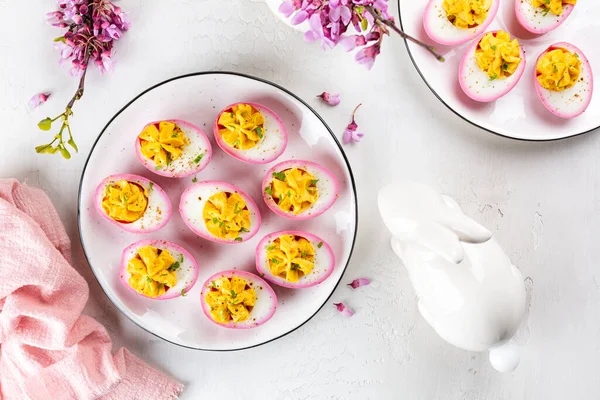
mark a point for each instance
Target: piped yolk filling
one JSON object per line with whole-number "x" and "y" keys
{"x": 163, "y": 142}
{"x": 553, "y": 6}
{"x": 230, "y": 299}
{"x": 242, "y": 127}
{"x": 226, "y": 215}
{"x": 558, "y": 70}
{"x": 291, "y": 257}
{"x": 466, "y": 14}
{"x": 125, "y": 201}
{"x": 153, "y": 271}
{"x": 294, "y": 190}
{"x": 497, "y": 55}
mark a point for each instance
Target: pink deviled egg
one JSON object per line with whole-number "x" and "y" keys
{"x": 220, "y": 212}
{"x": 542, "y": 16}
{"x": 454, "y": 22}
{"x": 173, "y": 148}
{"x": 563, "y": 80}
{"x": 237, "y": 299}
{"x": 251, "y": 133}
{"x": 491, "y": 66}
{"x": 300, "y": 190}
{"x": 294, "y": 259}
{"x": 133, "y": 203}
{"x": 158, "y": 269}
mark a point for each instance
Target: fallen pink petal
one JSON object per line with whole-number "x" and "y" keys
{"x": 345, "y": 311}
{"x": 38, "y": 100}
{"x": 331, "y": 99}
{"x": 359, "y": 282}
{"x": 350, "y": 134}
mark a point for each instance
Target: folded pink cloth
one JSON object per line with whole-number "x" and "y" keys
{"x": 48, "y": 350}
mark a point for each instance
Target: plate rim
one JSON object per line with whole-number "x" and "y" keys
{"x": 465, "y": 118}
{"x": 261, "y": 80}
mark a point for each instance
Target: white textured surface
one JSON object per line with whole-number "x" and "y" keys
{"x": 541, "y": 201}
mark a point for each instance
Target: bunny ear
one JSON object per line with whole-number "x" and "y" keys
{"x": 440, "y": 240}
{"x": 467, "y": 230}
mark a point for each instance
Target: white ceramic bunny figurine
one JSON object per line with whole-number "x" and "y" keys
{"x": 468, "y": 290}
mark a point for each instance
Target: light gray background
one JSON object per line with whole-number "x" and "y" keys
{"x": 541, "y": 200}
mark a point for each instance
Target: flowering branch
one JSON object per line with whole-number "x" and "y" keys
{"x": 93, "y": 27}
{"x": 328, "y": 21}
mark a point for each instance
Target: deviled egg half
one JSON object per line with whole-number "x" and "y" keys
{"x": 454, "y": 22}
{"x": 299, "y": 189}
{"x": 158, "y": 269}
{"x": 133, "y": 203}
{"x": 563, "y": 80}
{"x": 542, "y": 16}
{"x": 238, "y": 299}
{"x": 294, "y": 259}
{"x": 250, "y": 132}
{"x": 219, "y": 212}
{"x": 173, "y": 148}
{"x": 491, "y": 66}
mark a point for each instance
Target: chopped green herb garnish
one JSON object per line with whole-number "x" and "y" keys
{"x": 494, "y": 47}
{"x": 295, "y": 267}
{"x": 554, "y": 66}
{"x": 275, "y": 261}
{"x": 215, "y": 220}
{"x": 320, "y": 245}
{"x": 158, "y": 167}
{"x": 183, "y": 293}
{"x": 151, "y": 185}
{"x": 268, "y": 190}
{"x": 304, "y": 254}
{"x": 214, "y": 285}
{"x": 174, "y": 135}
{"x": 233, "y": 294}
{"x": 175, "y": 266}
{"x": 279, "y": 175}
{"x": 271, "y": 247}
{"x": 148, "y": 279}
{"x": 258, "y": 131}
{"x": 314, "y": 181}
{"x": 194, "y": 179}
{"x": 494, "y": 77}
{"x": 505, "y": 67}
{"x": 242, "y": 230}
{"x": 197, "y": 159}
{"x": 545, "y": 12}
{"x": 576, "y": 55}
{"x": 238, "y": 239}
{"x": 181, "y": 258}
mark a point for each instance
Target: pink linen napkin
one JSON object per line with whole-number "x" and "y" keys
{"x": 48, "y": 349}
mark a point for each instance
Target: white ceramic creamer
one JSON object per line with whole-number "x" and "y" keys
{"x": 468, "y": 290}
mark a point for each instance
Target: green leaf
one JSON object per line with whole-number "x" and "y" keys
{"x": 73, "y": 145}
{"x": 45, "y": 124}
{"x": 60, "y": 39}
{"x": 64, "y": 152}
{"x": 279, "y": 175}
{"x": 364, "y": 24}
{"x": 197, "y": 159}
{"x": 43, "y": 149}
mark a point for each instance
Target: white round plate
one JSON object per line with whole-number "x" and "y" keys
{"x": 198, "y": 98}
{"x": 520, "y": 114}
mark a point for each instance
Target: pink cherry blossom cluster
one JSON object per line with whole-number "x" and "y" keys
{"x": 93, "y": 27}
{"x": 328, "y": 21}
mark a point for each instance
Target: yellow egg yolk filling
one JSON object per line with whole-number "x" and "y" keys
{"x": 558, "y": 70}
{"x": 163, "y": 143}
{"x": 230, "y": 300}
{"x": 242, "y": 127}
{"x": 153, "y": 271}
{"x": 291, "y": 257}
{"x": 467, "y": 14}
{"x": 226, "y": 215}
{"x": 294, "y": 190}
{"x": 125, "y": 201}
{"x": 497, "y": 55}
{"x": 553, "y": 6}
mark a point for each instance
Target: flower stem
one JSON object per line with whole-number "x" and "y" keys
{"x": 390, "y": 23}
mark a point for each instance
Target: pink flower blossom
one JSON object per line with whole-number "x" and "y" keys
{"x": 342, "y": 308}
{"x": 366, "y": 55}
{"x": 38, "y": 100}
{"x": 350, "y": 134}
{"x": 359, "y": 282}
{"x": 331, "y": 99}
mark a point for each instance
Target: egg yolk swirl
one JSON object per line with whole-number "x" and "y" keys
{"x": 226, "y": 215}
{"x": 163, "y": 143}
{"x": 553, "y": 6}
{"x": 294, "y": 190}
{"x": 467, "y": 14}
{"x": 230, "y": 299}
{"x": 153, "y": 271}
{"x": 558, "y": 70}
{"x": 291, "y": 257}
{"x": 242, "y": 127}
{"x": 498, "y": 56}
{"x": 125, "y": 201}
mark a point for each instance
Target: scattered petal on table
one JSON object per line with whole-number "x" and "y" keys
{"x": 346, "y": 311}
{"x": 359, "y": 282}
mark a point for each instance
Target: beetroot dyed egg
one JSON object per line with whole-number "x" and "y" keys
{"x": 251, "y": 133}
{"x": 563, "y": 80}
{"x": 158, "y": 269}
{"x": 299, "y": 189}
{"x": 219, "y": 212}
{"x": 491, "y": 66}
{"x": 133, "y": 203}
{"x": 237, "y": 299}
{"x": 173, "y": 148}
{"x": 454, "y": 22}
{"x": 294, "y": 259}
{"x": 542, "y": 16}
